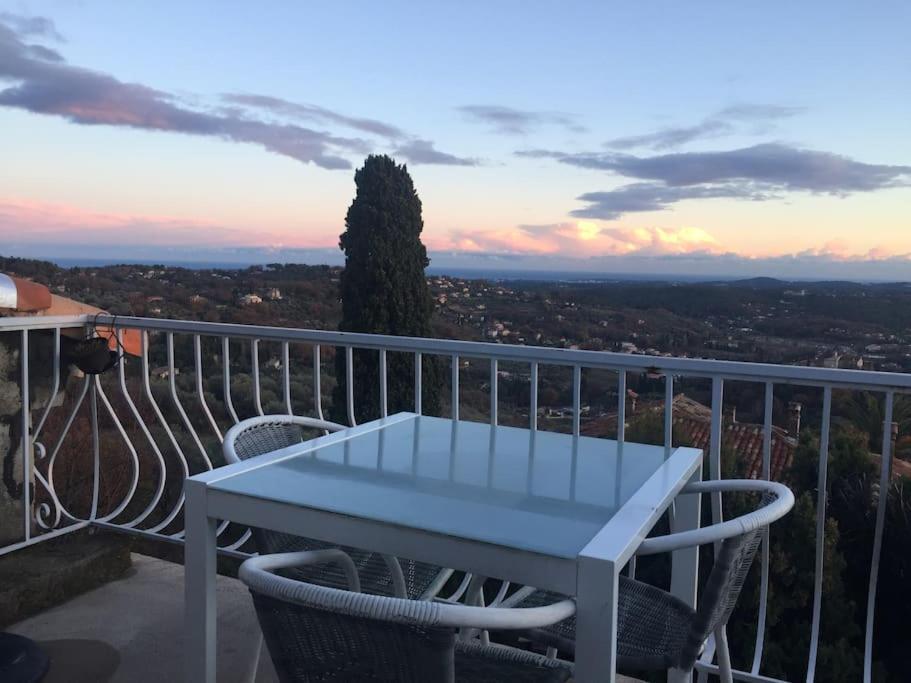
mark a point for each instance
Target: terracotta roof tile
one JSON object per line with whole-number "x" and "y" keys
{"x": 695, "y": 421}
{"x": 23, "y": 297}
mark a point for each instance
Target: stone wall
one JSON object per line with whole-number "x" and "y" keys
{"x": 41, "y": 358}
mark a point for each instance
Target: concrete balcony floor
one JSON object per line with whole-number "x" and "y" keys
{"x": 131, "y": 631}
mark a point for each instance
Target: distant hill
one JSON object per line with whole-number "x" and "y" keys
{"x": 760, "y": 283}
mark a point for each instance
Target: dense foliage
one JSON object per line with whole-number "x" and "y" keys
{"x": 383, "y": 288}
{"x": 748, "y": 320}
{"x": 853, "y": 494}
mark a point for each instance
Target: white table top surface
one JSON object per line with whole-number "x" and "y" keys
{"x": 539, "y": 491}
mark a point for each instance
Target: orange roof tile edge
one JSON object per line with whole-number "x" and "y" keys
{"x": 24, "y": 296}
{"x": 60, "y": 305}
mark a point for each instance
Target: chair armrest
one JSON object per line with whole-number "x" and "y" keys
{"x": 258, "y": 572}
{"x": 784, "y": 501}
{"x": 315, "y": 423}
{"x": 505, "y": 618}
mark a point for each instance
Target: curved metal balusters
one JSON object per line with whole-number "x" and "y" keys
{"x": 172, "y": 385}
{"x": 349, "y": 385}
{"x": 621, "y": 406}
{"x": 821, "y": 496}
{"x": 200, "y": 390}
{"x": 52, "y": 512}
{"x": 494, "y": 391}
{"x": 226, "y": 378}
{"x": 715, "y": 445}
{"x": 764, "y": 564}
{"x": 577, "y": 400}
{"x": 317, "y": 389}
{"x": 455, "y": 387}
{"x": 668, "y": 413}
{"x": 147, "y": 389}
{"x": 286, "y": 377}
{"x": 52, "y": 461}
{"x": 715, "y": 436}
{"x": 26, "y": 439}
{"x": 162, "y": 466}
{"x": 384, "y": 385}
{"x": 134, "y": 456}
{"x": 881, "y": 504}
{"x": 55, "y": 391}
{"x": 43, "y": 511}
{"x": 418, "y": 389}
{"x": 96, "y": 451}
{"x": 254, "y": 370}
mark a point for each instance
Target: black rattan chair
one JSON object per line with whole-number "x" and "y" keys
{"x": 316, "y": 633}
{"x": 379, "y": 574}
{"x": 655, "y": 629}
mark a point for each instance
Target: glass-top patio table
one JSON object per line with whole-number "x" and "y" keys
{"x": 556, "y": 511}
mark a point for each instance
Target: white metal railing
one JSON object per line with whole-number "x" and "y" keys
{"x": 187, "y": 449}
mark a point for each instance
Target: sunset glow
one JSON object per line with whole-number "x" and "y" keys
{"x": 118, "y": 149}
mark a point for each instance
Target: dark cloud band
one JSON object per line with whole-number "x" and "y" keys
{"x": 758, "y": 173}
{"x": 44, "y": 83}
{"x": 516, "y": 121}
{"x": 639, "y": 197}
{"x": 773, "y": 164}
{"x": 729, "y": 120}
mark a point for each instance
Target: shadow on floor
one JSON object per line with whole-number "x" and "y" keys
{"x": 80, "y": 661}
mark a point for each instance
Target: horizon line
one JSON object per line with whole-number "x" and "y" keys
{"x": 529, "y": 274}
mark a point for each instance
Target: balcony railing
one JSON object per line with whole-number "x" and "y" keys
{"x": 123, "y": 442}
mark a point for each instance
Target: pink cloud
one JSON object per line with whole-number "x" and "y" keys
{"x": 581, "y": 238}
{"x": 584, "y": 239}
{"x": 662, "y": 241}
{"x": 839, "y": 250}
{"x": 24, "y": 221}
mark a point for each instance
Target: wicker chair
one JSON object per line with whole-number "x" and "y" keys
{"x": 317, "y": 633}
{"x": 379, "y": 574}
{"x": 655, "y": 629}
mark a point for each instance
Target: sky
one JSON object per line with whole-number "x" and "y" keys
{"x": 625, "y": 137}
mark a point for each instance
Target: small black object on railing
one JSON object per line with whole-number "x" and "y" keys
{"x": 93, "y": 354}
{"x": 654, "y": 372}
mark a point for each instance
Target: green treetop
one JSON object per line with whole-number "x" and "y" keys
{"x": 384, "y": 289}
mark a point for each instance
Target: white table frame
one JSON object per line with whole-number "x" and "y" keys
{"x": 592, "y": 577}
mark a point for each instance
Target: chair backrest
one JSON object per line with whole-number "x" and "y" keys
{"x": 319, "y": 633}
{"x": 310, "y": 644}
{"x": 260, "y": 435}
{"x": 722, "y": 589}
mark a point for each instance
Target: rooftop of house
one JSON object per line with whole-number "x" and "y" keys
{"x": 743, "y": 438}
{"x": 694, "y": 420}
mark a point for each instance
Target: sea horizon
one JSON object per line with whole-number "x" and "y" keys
{"x": 505, "y": 275}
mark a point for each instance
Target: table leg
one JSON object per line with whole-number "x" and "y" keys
{"x": 199, "y": 584}
{"x": 685, "y": 562}
{"x": 596, "y": 621}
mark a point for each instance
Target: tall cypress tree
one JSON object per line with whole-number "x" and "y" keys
{"x": 384, "y": 290}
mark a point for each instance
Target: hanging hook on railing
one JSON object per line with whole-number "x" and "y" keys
{"x": 93, "y": 354}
